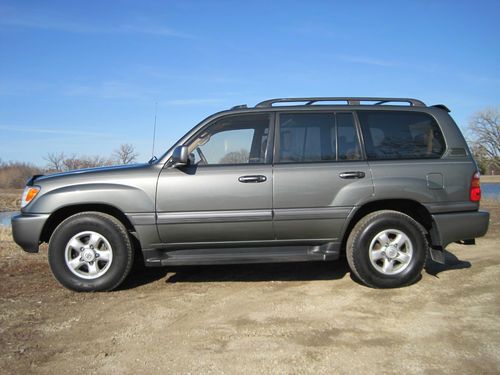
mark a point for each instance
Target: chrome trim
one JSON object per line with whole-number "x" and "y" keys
{"x": 213, "y": 216}
{"x": 282, "y": 214}
{"x": 142, "y": 218}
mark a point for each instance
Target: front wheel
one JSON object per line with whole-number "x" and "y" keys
{"x": 90, "y": 251}
{"x": 387, "y": 249}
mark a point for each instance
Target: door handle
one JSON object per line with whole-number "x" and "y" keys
{"x": 356, "y": 174}
{"x": 252, "y": 179}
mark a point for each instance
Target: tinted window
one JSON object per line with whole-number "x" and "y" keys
{"x": 312, "y": 137}
{"x": 232, "y": 140}
{"x": 400, "y": 135}
{"x": 347, "y": 138}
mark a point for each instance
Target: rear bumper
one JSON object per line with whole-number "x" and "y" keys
{"x": 451, "y": 227}
{"x": 26, "y": 230}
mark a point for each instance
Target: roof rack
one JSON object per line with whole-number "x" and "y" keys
{"x": 240, "y": 106}
{"x": 348, "y": 100}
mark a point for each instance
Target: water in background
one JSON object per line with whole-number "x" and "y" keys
{"x": 5, "y": 218}
{"x": 490, "y": 191}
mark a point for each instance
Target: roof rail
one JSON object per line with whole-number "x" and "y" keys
{"x": 348, "y": 100}
{"x": 241, "y": 106}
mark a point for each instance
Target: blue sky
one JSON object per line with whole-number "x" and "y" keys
{"x": 83, "y": 77}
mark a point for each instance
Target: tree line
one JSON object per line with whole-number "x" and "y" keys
{"x": 484, "y": 140}
{"x": 13, "y": 175}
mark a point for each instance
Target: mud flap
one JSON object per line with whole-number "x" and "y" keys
{"x": 437, "y": 255}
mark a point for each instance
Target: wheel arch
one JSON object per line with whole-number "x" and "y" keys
{"x": 58, "y": 216}
{"x": 412, "y": 208}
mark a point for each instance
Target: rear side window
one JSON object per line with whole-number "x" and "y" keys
{"x": 317, "y": 137}
{"x": 347, "y": 138}
{"x": 400, "y": 135}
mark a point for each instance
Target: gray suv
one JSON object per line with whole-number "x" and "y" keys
{"x": 384, "y": 181}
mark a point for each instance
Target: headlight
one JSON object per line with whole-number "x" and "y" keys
{"x": 29, "y": 193}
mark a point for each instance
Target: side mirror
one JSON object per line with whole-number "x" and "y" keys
{"x": 180, "y": 156}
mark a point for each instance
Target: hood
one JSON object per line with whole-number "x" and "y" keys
{"x": 87, "y": 171}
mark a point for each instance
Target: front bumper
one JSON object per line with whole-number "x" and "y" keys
{"x": 457, "y": 226}
{"x": 27, "y": 230}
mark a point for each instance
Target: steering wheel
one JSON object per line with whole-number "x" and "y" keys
{"x": 202, "y": 157}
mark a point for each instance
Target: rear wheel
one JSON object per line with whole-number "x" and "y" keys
{"x": 90, "y": 251}
{"x": 387, "y": 249}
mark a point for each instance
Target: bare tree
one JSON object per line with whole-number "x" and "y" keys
{"x": 13, "y": 175}
{"x": 62, "y": 163}
{"x": 235, "y": 157}
{"x": 125, "y": 154}
{"x": 59, "y": 162}
{"x": 484, "y": 131}
{"x": 55, "y": 162}
{"x": 73, "y": 162}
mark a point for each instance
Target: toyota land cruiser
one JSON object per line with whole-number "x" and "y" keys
{"x": 385, "y": 181}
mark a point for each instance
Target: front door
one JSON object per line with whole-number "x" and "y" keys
{"x": 319, "y": 175}
{"x": 225, "y": 193}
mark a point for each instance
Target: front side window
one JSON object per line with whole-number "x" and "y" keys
{"x": 400, "y": 135}
{"x": 232, "y": 140}
{"x": 317, "y": 137}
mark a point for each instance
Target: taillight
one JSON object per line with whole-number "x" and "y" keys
{"x": 475, "y": 188}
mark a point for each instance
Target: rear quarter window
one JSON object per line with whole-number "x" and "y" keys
{"x": 401, "y": 135}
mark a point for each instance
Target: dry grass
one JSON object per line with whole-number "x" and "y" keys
{"x": 10, "y": 199}
{"x": 7, "y": 245}
{"x": 5, "y": 234}
{"x": 14, "y": 260}
{"x": 490, "y": 179}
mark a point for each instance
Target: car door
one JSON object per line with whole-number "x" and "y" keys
{"x": 225, "y": 193}
{"x": 407, "y": 154}
{"x": 320, "y": 174}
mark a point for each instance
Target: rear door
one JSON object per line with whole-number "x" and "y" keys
{"x": 405, "y": 151}
{"x": 320, "y": 174}
{"x": 225, "y": 194}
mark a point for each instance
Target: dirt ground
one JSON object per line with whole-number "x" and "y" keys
{"x": 280, "y": 319}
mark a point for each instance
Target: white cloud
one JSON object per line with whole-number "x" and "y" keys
{"x": 478, "y": 79}
{"x": 106, "y": 90}
{"x": 368, "y": 61}
{"x": 21, "y": 129}
{"x": 49, "y": 21}
{"x": 188, "y": 102}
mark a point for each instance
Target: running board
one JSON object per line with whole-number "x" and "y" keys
{"x": 283, "y": 254}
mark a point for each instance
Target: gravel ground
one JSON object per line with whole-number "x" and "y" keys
{"x": 286, "y": 318}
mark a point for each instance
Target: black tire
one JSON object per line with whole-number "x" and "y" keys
{"x": 363, "y": 241}
{"x": 112, "y": 231}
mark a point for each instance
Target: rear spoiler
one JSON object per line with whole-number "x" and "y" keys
{"x": 31, "y": 181}
{"x": 441, "y": 106}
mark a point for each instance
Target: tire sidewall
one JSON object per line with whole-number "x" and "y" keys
{"x": 105, "y": 227}
{"x": 362, "y": 247}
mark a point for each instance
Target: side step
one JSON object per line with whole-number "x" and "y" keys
{"x": 241, "y": 255}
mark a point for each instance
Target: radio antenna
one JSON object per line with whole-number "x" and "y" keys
{"x": 154, "y": 132}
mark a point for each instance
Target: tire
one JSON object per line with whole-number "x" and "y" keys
{"x": 90, "y": 252}
{"x": 387, "y": 249}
